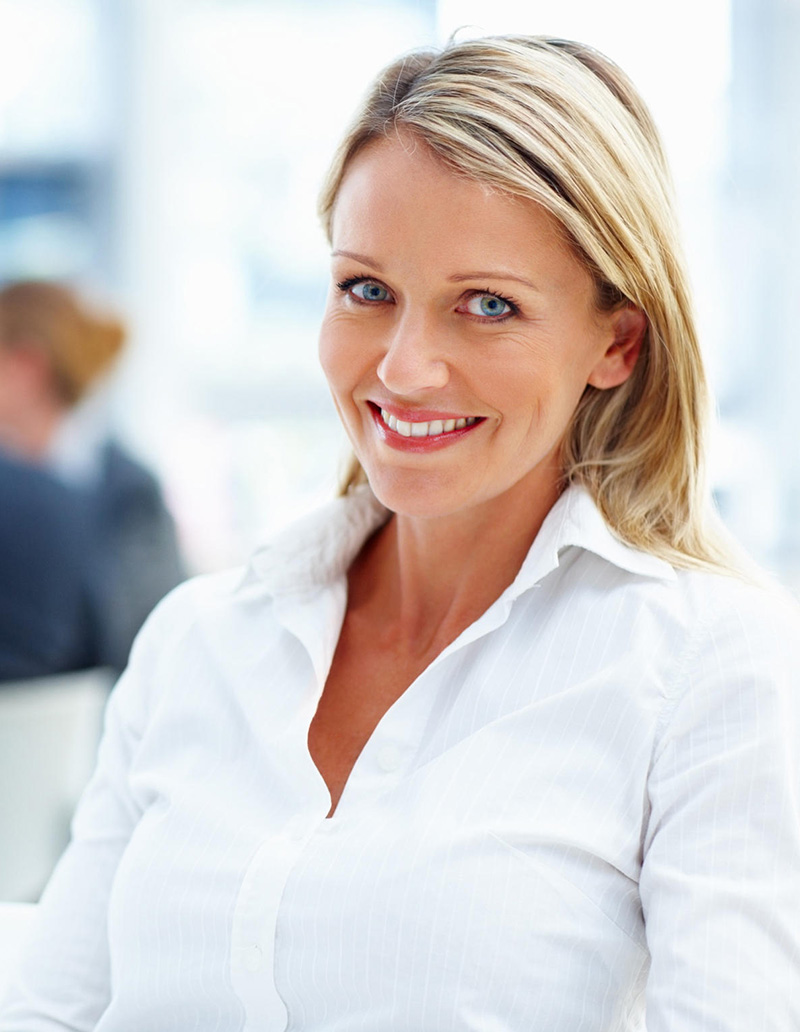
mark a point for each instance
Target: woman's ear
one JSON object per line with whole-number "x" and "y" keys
{"x": 628, "y": 325}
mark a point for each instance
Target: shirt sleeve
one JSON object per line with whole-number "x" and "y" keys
{"x": 720, "y": 880}
{"x": 62, "y": 981}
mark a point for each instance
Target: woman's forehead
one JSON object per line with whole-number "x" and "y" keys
{"x": 400, "y": 204}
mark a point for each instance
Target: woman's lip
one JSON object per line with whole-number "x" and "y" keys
{"x": 418, "y": 415}
{"x": 420, "y": 444}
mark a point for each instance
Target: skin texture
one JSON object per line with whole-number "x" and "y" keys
{"x": 416, "y": 325}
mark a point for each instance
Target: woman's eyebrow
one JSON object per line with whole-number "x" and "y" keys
{"x": 363, "y": 258}
{"x": 460, "y": 277}
{"x": 492, "y": 274}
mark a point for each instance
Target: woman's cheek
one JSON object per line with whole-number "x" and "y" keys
{"x": 347, "y": 352}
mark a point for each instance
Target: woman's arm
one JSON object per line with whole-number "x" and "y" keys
{"x": 720, "y": 882}
{"x": 63, "y": 979}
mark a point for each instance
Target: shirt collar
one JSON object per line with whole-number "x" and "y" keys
{"x": 575, "y": 521}
{"x": 318, "y": 549}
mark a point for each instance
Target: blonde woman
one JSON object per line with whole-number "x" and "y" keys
{"x": 499, "y": 740}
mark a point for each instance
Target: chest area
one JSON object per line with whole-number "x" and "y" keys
{"x": 493, "y": 860}
{"x": 366, "y": 679}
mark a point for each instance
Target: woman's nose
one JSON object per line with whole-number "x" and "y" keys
{"x": 414, "y": 359}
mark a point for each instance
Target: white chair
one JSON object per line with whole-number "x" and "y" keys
{"x": 17, "y": 922}
{"x": 49, "y": 730}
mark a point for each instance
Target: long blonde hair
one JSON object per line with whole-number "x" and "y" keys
{"x": 556, "y": 122}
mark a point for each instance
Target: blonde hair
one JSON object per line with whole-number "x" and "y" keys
{"x": 79, "y": 344}
{"x": 556, "y": 122}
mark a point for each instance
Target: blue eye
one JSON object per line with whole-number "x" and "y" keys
{"x": 489, "y": 306}
{"x": 369, "y": 291}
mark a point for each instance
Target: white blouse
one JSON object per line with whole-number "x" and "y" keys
{"x": 585, "y": 808}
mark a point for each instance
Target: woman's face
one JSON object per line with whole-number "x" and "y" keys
{"x": 459, "y": 335}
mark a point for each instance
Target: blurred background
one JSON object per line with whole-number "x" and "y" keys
{"x": 163, "y": 157}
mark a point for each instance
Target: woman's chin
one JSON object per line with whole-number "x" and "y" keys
{"x": 421, "y": 495}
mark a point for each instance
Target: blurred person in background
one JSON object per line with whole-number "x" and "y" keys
{"x": 46, "y": 606}
{"x": 54, "y": 352}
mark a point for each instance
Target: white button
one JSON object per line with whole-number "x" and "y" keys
{"x": 252, "y": 957}
{"x": 389, "y": 758}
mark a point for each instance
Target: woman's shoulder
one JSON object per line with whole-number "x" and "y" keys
{"x": 742, "y": 637}
{"x": 198, "y": 599}
{"x": 199, "y": 593}
{"x": 752, "y": 599}
{"x": 180, "y": 641}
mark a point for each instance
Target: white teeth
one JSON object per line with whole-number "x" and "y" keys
{"x": 432, "y": 429}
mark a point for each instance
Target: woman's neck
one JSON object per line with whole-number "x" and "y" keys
{"x": 423, "y": 581}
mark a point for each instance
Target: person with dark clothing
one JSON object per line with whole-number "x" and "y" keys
{"x": 46, "y": 607}
{"x": 90, "y": 520}
{"x": 137, "y": 554}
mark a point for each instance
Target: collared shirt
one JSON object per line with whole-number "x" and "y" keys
{"x": 585, "y": 807}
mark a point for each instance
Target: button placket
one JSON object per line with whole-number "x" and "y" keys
{"x": 255, "y": 920}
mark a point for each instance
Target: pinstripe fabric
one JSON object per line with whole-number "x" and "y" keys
{"x": 587, "y": 806}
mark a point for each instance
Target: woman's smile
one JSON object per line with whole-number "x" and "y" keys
{"x": 420, "y": 431}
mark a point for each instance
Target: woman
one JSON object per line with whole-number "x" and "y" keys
{"x": 493, "y": 742}
{"x": 54, "y": 351}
